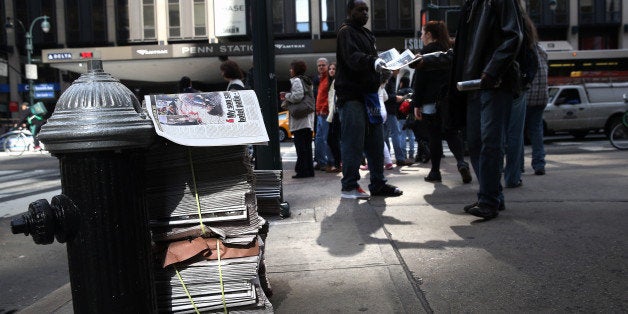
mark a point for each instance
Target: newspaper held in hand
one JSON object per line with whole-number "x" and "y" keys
{"x": 208, "y": 119}
{"x": 395, "y": 60}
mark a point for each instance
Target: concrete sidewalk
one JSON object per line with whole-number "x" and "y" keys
{"x": 560, "y": 246}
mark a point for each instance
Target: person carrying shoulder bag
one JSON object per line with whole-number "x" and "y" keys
{"x": 301, "y": 126}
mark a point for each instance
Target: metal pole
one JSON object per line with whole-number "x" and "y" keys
{"x": 268, "y": 157}
{"x": 29, "y": 52}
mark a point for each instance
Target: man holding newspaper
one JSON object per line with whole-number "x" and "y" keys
{"x": 357, "y": 80}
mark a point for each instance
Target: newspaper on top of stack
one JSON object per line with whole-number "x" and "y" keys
{"x": 208, "y": 119}
{"x": 395, "y": 61}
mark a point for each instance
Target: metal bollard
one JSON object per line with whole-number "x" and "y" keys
{"x": 100, "y": 138}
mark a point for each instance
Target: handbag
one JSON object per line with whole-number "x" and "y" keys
{"x": 304, "y": 107}
{"x": 373, "y": 108}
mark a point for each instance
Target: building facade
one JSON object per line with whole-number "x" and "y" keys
{"x": 150, "y": 44}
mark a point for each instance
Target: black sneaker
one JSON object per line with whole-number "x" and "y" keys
{"x": 433, "y": 177}
{"x": 387, "y": 190}
{"x": 465, "y": 173}
{"x": 483, "y": 212}
{"x": 500, "y": 208}
{"x": 539, "y": 172}
{"x": 516, "y": 185}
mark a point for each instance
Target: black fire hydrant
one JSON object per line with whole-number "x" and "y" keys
{"x": 100, "y": 139}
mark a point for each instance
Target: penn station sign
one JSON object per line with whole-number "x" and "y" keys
{"x": 191, "y": 50}
{"x": 212, "y": 50}
{"x": 237, "y": 49}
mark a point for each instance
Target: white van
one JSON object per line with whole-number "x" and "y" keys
{"x": 579, "y": 109}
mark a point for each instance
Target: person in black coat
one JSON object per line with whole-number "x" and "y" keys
{"x": 429, "y": 89}
{"x": 488, "y": 41}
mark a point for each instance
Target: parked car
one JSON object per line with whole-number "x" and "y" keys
{"x": 284, "y": 126}
{"x": 579, "y": 109}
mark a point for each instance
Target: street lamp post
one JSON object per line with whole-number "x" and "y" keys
{"x": 31, "y": 69}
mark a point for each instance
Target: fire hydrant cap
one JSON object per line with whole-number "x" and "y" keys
{"x": 95, "y": 113}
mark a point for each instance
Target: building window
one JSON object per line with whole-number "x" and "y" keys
{"x": 599, "y": 12}
{"x": 27, "y": 11}
{"x": 85, "y": 22}
{"x": 333, "y": 14}
{"x": 551, "y": 23}
{"x": 378, "y": 13}
{"x": 395, "y": 16}
{"x": 406, "y": 14}
{"x": 174, "y": 20}
{"x": 291, "y": 17}
{"x": 542, "y": 14}
{"x": 148, "y": 18}
{"x": 122, "y": 21}
{"x": 303, "y": 16}
{"x": 328, "y": 16}
{"x": 200, "y": 22}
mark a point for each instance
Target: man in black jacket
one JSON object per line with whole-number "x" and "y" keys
{"x": 357, "y": 75}
{"x": 488, "y": 40}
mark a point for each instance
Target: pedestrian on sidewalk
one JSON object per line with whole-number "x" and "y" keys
{"x": 404, "y": 92}
{"x": 517, "y": 112}
{"x": 357, "y": 80}
{"x": 301, "y": 127}
{"x": 536, "y": 102}
{"x": 391, "y": 124}
{"x": 322, "y": 153}
{"x": 231, "y": 72}
{"x": 487, "y": 43}
{"x": 333, "y": 136}
{"x": 430, "y": 87}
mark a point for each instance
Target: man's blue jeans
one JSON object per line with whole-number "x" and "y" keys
{"x": 392, "y": 125}
{"x": 486, "y": 118}
{"x": 321, "y": 150}
{"x": 534, "y": 125}
{"x": 514, "y": 140}
{"x": 358, "y": 137}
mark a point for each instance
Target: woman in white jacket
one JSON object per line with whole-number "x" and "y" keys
{"x": 301, "y": 128}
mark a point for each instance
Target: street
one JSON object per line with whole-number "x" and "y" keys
{"x": 29, "y": 272}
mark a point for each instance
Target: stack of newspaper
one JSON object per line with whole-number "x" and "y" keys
{"x": 268, "y": 185}
{"x": 193, "y": 278}
{"x": 200, "y": 196}
{"x": 219, "y": 178}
